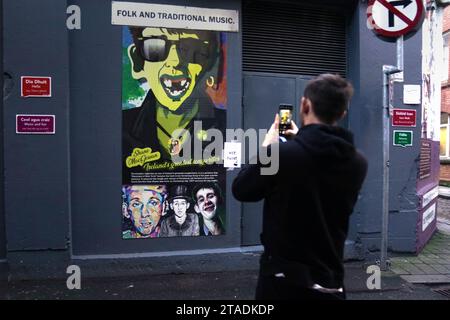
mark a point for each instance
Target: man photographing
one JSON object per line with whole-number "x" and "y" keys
{"x": 308, "y": 202}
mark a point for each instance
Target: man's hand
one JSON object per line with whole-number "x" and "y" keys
{"x": 272, "y": 135}
{"x": 293, "y": 131}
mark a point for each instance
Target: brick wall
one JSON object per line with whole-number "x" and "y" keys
{"x": 445, "y": 96}
{"x": 445, "y": 93}
{"x": 445, "y": 99}
{"x": 445, "y": 172}
{"x": 446, "y": 26}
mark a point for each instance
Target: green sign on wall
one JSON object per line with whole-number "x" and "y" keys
{"x": 403, "y": 138}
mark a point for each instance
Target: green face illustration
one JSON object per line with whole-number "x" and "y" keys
{"x": 172, "y": 63}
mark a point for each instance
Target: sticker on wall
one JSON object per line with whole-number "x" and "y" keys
{"x": 425, "y": 163}
{"x": 430, "y": 196}
{"x": 411, "y": 94}
{"x": 428, "y": 217}
{"x": 403, "y": 138}
{"x": 404, "y": 118}
{"x": 174, "y": 100}
{"x": 36, "y": 86}
{"x": 35, "y": 124}
{"x": 232, "y": 155}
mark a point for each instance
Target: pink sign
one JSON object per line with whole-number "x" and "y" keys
{"x": 404, "y": 118}
{"x": 35, "y": 124}
{"x": 36, "y": 86}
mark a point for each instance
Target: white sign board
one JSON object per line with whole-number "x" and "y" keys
{"x": 411, "y": 94}
{"x": 232, "y": 155}
{"x": 428, "y": 216}
{"x": 430, "y": 196}
{"x": 169, "y": 16}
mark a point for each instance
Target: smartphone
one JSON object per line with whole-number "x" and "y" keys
{"x": 285, "y": 113}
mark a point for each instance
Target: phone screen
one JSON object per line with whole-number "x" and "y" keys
{"x": 285, "y": 113}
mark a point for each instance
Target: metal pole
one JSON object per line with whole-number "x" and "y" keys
{"x": 388, "y": 71}
{"x": 400, "y": 55}
{"x": 385, "y": 216}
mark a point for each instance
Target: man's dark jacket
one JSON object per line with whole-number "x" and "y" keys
{"x": 307, "y": 204}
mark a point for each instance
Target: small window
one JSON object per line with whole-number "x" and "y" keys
{"x": 444, "y": 145}
{"x": 444, "y": 142}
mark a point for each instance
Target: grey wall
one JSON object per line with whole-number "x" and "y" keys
{"x": 353, "y": 75}
{"x": 36, "y": 166}
{"x": 2, "y": 203}
{"x": 96, "y": 137}
{"x": 67, "y": 186}
{"x": 369, "y": 54}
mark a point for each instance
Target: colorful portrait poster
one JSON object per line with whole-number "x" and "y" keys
{"x": 173, "y": 94}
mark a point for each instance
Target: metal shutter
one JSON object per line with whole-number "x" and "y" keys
{"x": 293, "y": 38}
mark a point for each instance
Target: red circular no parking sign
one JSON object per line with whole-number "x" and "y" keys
{"x": 394, "y": 18}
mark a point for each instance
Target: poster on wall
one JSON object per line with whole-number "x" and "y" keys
{"x": 425, "y": 164}
{"x": 174, "y": 101}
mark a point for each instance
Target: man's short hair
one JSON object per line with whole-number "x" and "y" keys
{"x": 207, "y": 185}
{"x": 329, "y": 95}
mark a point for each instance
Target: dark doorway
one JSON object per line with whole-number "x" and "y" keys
{"x": 285, "y": 43}
{"x": 263, "y": 94}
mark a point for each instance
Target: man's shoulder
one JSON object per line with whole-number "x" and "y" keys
{"x": 146, "y": 108}
{"x": 359, "y": 155}
{"x": 291, "y": 148}
{"x": 131, "y": 113}
{"x": 129, "y": 117}
{"x": 361, "y": 161}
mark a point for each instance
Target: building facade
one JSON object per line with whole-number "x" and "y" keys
{"x": 445, "y": 104}
{"x": 71, "y": 195}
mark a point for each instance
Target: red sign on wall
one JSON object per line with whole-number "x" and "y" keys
{"x": 404, "y": 118}
{"x": 35, "y": 124}
{"x": 36, "y": 86}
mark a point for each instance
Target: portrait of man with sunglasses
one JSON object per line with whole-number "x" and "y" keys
{"x": 177, "y": 66}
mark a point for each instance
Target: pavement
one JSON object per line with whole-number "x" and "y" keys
{"x": 443, "y": 216}
{"x": 432, "y": 265}
{"x": 411, "y": 277}
{"x": 235, "y": 285}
